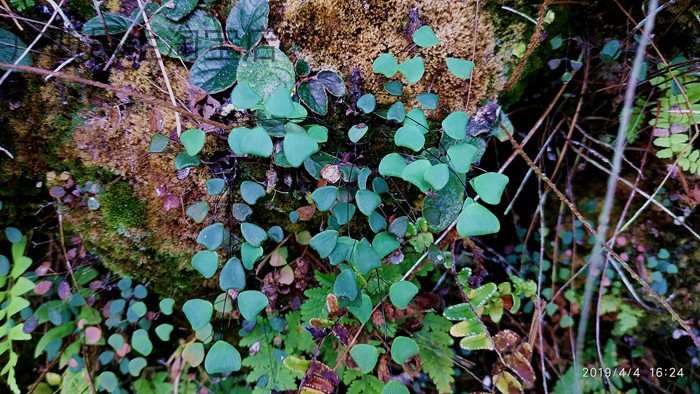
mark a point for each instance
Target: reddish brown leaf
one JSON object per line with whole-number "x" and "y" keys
{"x": 321, "y": 378}
{"x": 521, "y": 366}
{"x": 64, "y": 291}
{"x": 306, "y": 212}
{"x": 506, "y": 340}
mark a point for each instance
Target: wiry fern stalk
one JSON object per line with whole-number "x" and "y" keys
{"x": 598, "y": 257}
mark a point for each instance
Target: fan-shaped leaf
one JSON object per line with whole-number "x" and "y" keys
{"x": 461, "y": 157}
{"x": 251, "y": 303}
{"x": 193, "y": 353}
{"x": 392, "y": 164}
{"x": 401, "y": 293}
{"x": 253, "y": 234}
{"x": 385, "y": 243}
{"x": 251, "y": 191}
{"x": 412, "y": 69}
{"x": 415, "y": 174}
{"x": 455, "y": 125}
{"x": 460, "y": 68}
{"x": 298, "y": 144}
{"x": 222, "y": 358}
{"x": 425, "y": 37}
{"x": 365, "y": 356}
{"x": 490, "y": 186}
{"x": 403, "y": 348}
{"x": 198, "y": 312}
{"x": 367, "y": 201}
{"x": 232, "y": 276}
{"x": 324, "y": 197}
{"x": 324, "y": 242}
{"x": 243, "y": 97}
{"x": 367, "y": 103}
{"x": 410, "y": 137}
{"x": 386, "y": 65}
{"x": 345, "y": 285}
{"x": 257, "y": 142}
{"x": 475, "y": 220}
{"x": 211, "y": 236}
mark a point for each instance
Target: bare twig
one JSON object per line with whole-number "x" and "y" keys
{"x": 12, "y": 15}
{"x": 142, "y": 97}
{"x": 534, "y": 42}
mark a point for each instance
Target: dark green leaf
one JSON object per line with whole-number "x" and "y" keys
{"x": 116, "y": 23}
{"x": 365, "y": 258}
{"x": 246, "y": 22}
{"x": 215, "y": 70}
{"x": 332, "y": 82}
{"x": 314, "y": 96}
{"x": 183, "y": 160}
{"x": 324, "y": 197}
{"x": 180, "y": 10}
{"x": 187, "y": 39}
{"x": 367, "y": 201}
{"x": 394, "y": 88}
{"x": 343, "y": 212}
{"x": 324, "y": 242}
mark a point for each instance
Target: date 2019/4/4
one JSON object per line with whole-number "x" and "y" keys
{"x": 632, "y": 372}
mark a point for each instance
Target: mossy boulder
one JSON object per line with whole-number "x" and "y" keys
{"x": 140, "y": 228}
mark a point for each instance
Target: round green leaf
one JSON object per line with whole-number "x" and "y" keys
{"x": 412, "y": 69}
{"x": 324, "y": 242}
{"x": 13, "y": 235}
{"x": 385, "y": 243}
{"x": 345, "y": 286}
{"x": 367, "y": 103}
{"x": 401, "y": 293}
{"x": 215, "y": 186}
{"x": 394, "y": 88}
{"x": 395, "y": 387}
{"x": 158, "y": 143}
{"x": 222, "y": 358}
{"x": 367, "y": 201}
{"x": 410, "y": 137}
{"x": 243, "y": 97}
{"x": 211, "y": 236}
{"x": 385, "y": 64}
{"x": 246, "y": 22}
{"x": 198, "y": 312}
{"x": 136, "y": 366}
{"x": 206, "y": 262}
{"x": 490, "y": 186}
{"x": 232, "y": 276}
{"x": 139, "y": 309}
{"x": 324, "y": 197}
{"x": 475, "y": 220}
{"x": 193, "y": 353}
{"x": 357, "y": 131}
{"x": 241, "y": 211}
{"x": 141, "y": 343}
{"x": 314, "y": 96}
{"x": 163, "y": 331}
{"x": 403, "y": 348}
{"x": 251, "y": 192}
{"x": 455, "y": 125}
{"x": 461, "y": 157}
{"x": 257, "y": 142}
{"x": 166, "y": 305}
{"x": 428, "y": 100}
{"x": 298, "y": 144}
{"x": 253, "y": 234}
{"x": 116, "y": 341}
{"x": 251, "y": 303}
{"x": 275, "y": 233}
{"x": 460, "y": 68}
{"x": 302, "y": 67}
{"x": 215, "y": 70}
{"x": 198, "y": 211}
{"x": 318, "y": 133}
{"x": 108, "y": 381}
{"x": 365, "y": 356}
{"x": 392, "y": 164}
{"x": 437, "y": 176}
{"x": 343, "y": 212}
{"x": 266, "y": 70}
{"x": 415, "y": 174}
{"x": 425, "y": 37}
{"x": 223, "y": 303}
{"x": 279, "y": 103}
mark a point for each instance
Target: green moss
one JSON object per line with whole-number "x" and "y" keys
{"x": 122, "y": 208}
